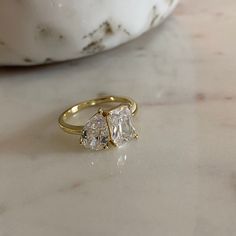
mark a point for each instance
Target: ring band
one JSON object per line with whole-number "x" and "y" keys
{"x": 112, "y": 126}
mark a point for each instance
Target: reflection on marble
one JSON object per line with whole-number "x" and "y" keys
{"x": 178, "y": 179}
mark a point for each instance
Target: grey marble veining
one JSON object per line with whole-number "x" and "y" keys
{"x": 178, "y": 179}
{"x": 36, "y": 32}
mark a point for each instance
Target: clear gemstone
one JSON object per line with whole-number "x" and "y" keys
{"x": 95, "y": 134}
{"x": 121, "y": 125}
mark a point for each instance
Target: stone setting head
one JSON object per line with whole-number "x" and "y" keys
{"x": 95, "y": 135}
{"x": 120, "y": 121}
{"x": 115, "y": 126}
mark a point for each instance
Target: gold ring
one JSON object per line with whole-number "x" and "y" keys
{"x": 113, "y": 126}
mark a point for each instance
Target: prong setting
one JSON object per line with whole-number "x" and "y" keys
{"x": 129, "y": 106}
{"x": 102, "y": 112}
{"x": 81, "y": 141}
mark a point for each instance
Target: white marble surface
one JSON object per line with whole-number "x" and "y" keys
{"x": 178, "y": 179}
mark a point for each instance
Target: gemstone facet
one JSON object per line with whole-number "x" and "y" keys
{"x": 121, "y": 126}
{"x": 95, "y": 134}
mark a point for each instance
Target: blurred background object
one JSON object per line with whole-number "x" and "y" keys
{"x": 41, "y": 32}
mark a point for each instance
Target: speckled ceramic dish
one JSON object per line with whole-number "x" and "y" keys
{"x": 38, "y": 32}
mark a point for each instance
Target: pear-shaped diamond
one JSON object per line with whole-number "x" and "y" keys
{"x": 95, "y": 134}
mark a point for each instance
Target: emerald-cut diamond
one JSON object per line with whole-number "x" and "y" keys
{"x": 95, "y": 134}
{"x": 120, "y": 122}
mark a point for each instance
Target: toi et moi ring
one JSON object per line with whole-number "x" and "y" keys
{"x": 113, "y": 126}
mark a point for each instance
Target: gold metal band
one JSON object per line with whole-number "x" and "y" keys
{"x": 74, "y": 129}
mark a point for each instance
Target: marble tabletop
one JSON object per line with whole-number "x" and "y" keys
{"x": 178, "y": 179}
